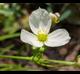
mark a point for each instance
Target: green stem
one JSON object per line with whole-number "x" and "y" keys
{"x": 16, "y": 57}
{"x": 43, "y": 61}
{"x": 61, "y": 62}
{"x": 13, "y": 67}
{"x": 9, "y": 36}
{"x": 6, "y": 65}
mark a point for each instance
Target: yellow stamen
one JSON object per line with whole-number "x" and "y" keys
{"x": 42, "y": 37}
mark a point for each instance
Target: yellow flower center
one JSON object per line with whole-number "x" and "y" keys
{"x": 42, "y": 37}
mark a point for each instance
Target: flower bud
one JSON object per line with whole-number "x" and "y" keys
{"x": 42, "y": 49}
{"x": 55, "y": 18}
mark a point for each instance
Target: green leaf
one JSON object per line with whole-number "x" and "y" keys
{"x": 6, "y": 12}
{"x": 3, "y": 50}
{"x": 65, "y": 15}
{"x": 4, "y": 37}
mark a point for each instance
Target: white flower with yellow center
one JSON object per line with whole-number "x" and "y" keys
{"x": 40, "y": 23}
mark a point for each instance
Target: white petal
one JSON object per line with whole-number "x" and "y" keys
{"x": 29, "y": 38}
{"x": 40, "y": 19}
{"x": 58, "y": 38}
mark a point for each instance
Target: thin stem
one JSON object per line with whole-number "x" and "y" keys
{"x": 42, "y": 64}
{"x": 60, "y": 62}
{"x": 16, "y": 57}
{"x": 13, "y": 67}
{"x": 43, "y": 61}
{"x": 9, "y": 36}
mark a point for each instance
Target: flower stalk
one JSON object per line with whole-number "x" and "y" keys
{"x": 43, "y": 62}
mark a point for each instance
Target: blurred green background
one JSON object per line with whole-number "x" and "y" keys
{"x": 14, "y": 16}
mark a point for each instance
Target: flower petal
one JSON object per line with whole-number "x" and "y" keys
{"x": 40, "y": 19}
{"x": 58, "y": 38}
{"x": 29, "y": 38}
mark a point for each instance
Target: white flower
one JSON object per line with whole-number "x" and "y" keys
{"x": 40, "y": 23}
